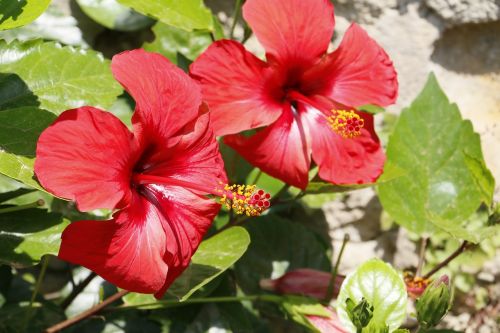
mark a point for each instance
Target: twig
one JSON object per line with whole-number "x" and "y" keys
{"x": 77, "y": 290}
{"x": 329, "y": 294}
{"x": 36, "y": 204}
{"x": 445, "y": 262}
{"x": 236, "y": 16}
{"x": 90, "y": 312}
{"x": 421, "y": 258}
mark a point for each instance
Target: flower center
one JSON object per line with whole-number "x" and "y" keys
{"x": 347, "y": 124}
{"x": 243, "y": 199}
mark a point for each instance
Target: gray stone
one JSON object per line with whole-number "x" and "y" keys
{"x": 455, "y": 12}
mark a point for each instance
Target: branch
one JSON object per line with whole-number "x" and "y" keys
{"x": 445, "y": 262}
{"x": 84, "y": 315}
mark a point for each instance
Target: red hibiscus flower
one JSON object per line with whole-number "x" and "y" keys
{"x": 304, "y": 96}
{"x": 156, "y": 178}
{"x": 330, "y": 324}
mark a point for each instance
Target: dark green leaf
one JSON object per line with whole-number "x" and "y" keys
{"x": 382, "y": 287}
{"x": 21, "y": 318}
{"x": 278, "y": 246}
{"x": 112, "y": 15}
{"x": 186, "y": 14}
{"x": 61, "y": 77}
{"x": 15, "y": 13}
{"x": 19, "y": 132}
{"x": 446, "y": 179}
{"x": 27, "y": 235}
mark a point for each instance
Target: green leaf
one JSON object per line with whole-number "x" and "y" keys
{"x": 19, "y": 132}
{"x": 170, "y": 41}
{"x": 186, "y": 14}
{"x": 27, "y": 235}
{"x": 21, "y": 318}
{"x": 446, "y": 179}
{"x": 15, "y": 13}
{"x": 213, "y": 257}
{"x": 112, "y": 15}
{"x": 382, "y": 287}
{"x": 61, "y": 77}
{"x": 278, "y": 246}
{"x": 391, "y": 172}
{"x": 298, "y": 308}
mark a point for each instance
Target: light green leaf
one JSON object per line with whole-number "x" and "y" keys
{"x": 27, "y": 235}
{"x": 170, "y": 41}
{"x": 19, "y": 132}
{"x": 278, "y": 246}
{"x": 186, "y": 14}
{"x": 446, "y": 179}
{"x": 298, "y": 308}
{"x": 61, "y": 77}
{"x": 15, "y": 13}
{"x": 112, "y": 15}
{"x": 382, "y": 287}
{"x": 391, "y": 172}
{"x": 213, "y": 257}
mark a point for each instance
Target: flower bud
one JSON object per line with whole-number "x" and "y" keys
{"x": 329, "y": 324}
{"x": 434, "y": 303}
{"x": 305, "y": 282}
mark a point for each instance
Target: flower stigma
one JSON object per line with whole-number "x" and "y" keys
{"x": 244, "y": 199}
{"x": 347, "y": 124}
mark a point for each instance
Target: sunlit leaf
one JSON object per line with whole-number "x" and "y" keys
{"x": 186, "y": 14}
{"x": 113, "y": 15}
{"x": 382, "y": 287}
{"x": 61, "y": 77}
{"x": 15, "y": 13}
{"x": 213, "y": 257}
{"x": 446, "y": 179}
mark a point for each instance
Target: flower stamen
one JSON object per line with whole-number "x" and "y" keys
{"x": 347, "y": 124}
{"x": 244, "y": 199}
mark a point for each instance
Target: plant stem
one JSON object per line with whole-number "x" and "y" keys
{"x": 421, "y": 258}
{"x": 38, "y": 203}
{"x": 329, "y": 294}
{"x": 282, "y": 191}
{"x": 236, "y": 16}
{"x": 445, "y": 262}
{"x": 222, "y": 299}
{"x": 39, "y": 280}
{"x": 257, "y": 177}
{"x": 84, "y": 315}
{"x": 77, "y": 290}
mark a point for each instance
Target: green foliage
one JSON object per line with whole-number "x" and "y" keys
{"x": 382, "y": 287}
{"x": 446, "y": 178}
{"x": 27, "y": 235}
{"x": 186, "y": 14}
{"x": 15, "y": 13}
{"x": 278, "y": 245}
{"x": 112, "y": 15}
{"x": 61, "y": 77}
{"x": 171, "y": 41}
{"x": 214, "y": 256}
{"x": 19, "y": 132}
{"x": 298, "y": 308}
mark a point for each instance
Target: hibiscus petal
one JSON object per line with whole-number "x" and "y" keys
{"x": 282, "y": 149}
{"x": 195, "y": 158}
{"x": 86, "y": 155}
{"x": 359, "y": 72}
{"x": 232, "y": 81}
{"x": 341, "y": 160}
{"x": 291, "y": 31}
{"x": 166, "y": 98}
{"x": 145, "y": 246}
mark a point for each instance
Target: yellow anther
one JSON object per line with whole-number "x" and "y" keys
{"x": 347, "y": 124}
{"x": 245, "y": 199}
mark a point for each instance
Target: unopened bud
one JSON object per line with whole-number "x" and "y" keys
{"x": 305, "y": 282}
{"x": 329, "y": 324}
{"x": 360, "y": 314}
{"x": 434, "y": 303}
